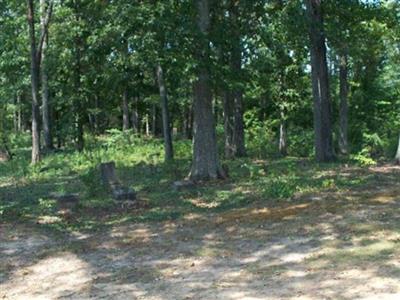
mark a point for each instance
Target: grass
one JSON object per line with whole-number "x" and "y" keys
{"x": 25, "y": 190}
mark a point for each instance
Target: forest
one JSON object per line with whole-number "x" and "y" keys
{"x": 199, "y": 149}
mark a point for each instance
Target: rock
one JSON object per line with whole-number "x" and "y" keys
{"x": 182, "y": 184}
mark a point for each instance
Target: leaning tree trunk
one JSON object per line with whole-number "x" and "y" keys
{"x": 125, "y": 111}
{"x": 205, "y": 164}
{"x": 168, "y": 148}
{"x": 35, "y": 70}
{"x": 397, "y": 158}
{"x": 344, "y": 108}
{"x": 48, "y": 139}
{"x": 320, "y": 84}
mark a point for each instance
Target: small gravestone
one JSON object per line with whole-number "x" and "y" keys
{"x": 4, "y": 156}
{"x": 110, "y": 179}
{"x": 182, "y": 184}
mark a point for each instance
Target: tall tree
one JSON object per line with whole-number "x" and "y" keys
{"x": 125, "y": 110}
{"x": 205, "y": 164}
{"x": 36, "y": 55}
{"x": 343, "y": 106}
{"x": 46, "y": 120}
{"x": 320, "y": 84}
{"x": 169, "y": 153}
{"x": 236, "y": 61}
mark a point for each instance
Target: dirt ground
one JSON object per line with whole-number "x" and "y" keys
{"x": 335, "y": 245}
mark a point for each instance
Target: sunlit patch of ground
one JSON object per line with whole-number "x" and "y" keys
{"x": 331, "y": 245}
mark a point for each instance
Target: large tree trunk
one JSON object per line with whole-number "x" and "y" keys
{"x": 344, "y": 108}
{"x": 35, "y": 70}
{"x": 320, "y": 84}
{"x": 205, "y": 164}
{"x": 236, "y": 63}
{"x": 48, "y": 139}
{"x": 125, "y": 111}
{"x": 169, "y": 153}
{"x": 397, "y": 158}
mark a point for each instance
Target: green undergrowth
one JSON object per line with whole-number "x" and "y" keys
{"x": 26, "y": 191}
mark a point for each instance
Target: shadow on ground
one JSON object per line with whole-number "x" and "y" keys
{"x": 337, "y": 244}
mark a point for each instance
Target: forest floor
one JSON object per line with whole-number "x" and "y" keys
{"x": 339, "y": 241}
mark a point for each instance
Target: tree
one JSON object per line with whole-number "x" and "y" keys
{"x": 397, "y": 157}
{"x": 320, "y": 84}
{"x": 205, "y": 164}
{"x": 36, "y": 55}
{"x": 343, "y": 106}
{"x": 46, "y": 120}
{"x": 169, "y": 153}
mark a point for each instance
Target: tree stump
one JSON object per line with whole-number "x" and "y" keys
{"x": 110, "y": 179}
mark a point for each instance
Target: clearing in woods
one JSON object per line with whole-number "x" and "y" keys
{"x": 334, "y": 244}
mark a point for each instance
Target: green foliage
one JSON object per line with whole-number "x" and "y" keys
{"x": 260, "y": 135}
{"x": 281, "y": 187}
{"x": 301, "y": 142}
{"x": 364, "y": 158}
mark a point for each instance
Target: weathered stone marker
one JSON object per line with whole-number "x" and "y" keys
{"x": 182, "y": 185}
{"x": 4, "y": 156}
{"x": 111, "y": 180}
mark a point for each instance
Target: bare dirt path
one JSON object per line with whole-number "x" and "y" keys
{"x": 328, "y": 246}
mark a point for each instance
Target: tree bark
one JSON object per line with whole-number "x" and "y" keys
{"x": 205, "y": 164}
{"x": 154, "y": 120}
{"x": 79, "y": 108}
{"x": 168, "y": 147}
{"x": 322, "y": 105}
{"x": 147, "y": 125}
{"x": 15, "y": 114}
{"x": 282, "y": 136}
{"x": 229, "y": 124}
{"x": 397, "y": 157}
{"x": 344, "y": 107}
{"x": 46, "y": 120}
{"x": 188, "y": 118}
{"x": 238, "y": 137}
{"x": 125, "y": 111}
{"x": 135, "y": 115}
{"x": 236, "y": 63}
{"x": 35, "y": 70}
{"x": 19, "y": 112}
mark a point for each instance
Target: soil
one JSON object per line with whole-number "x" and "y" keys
{"x": 332, "y": 245}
